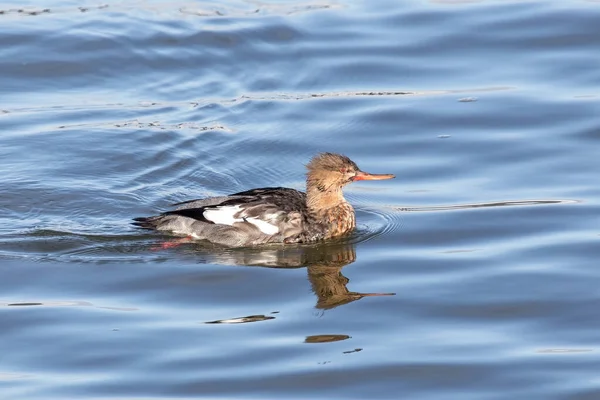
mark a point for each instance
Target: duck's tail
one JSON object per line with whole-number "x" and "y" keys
{"x": 146, "y": 222}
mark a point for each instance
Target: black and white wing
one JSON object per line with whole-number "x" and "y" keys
{"x": 271, "y": 211}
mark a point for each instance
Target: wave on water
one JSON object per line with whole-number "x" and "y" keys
{"x": 506, "y": 203}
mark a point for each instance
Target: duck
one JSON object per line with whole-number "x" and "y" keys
{"x": 272, "y": 215}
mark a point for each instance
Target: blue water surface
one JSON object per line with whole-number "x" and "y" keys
{"x": 472, "y": 275}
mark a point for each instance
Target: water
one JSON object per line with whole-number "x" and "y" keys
{"x": 472, "y": 275}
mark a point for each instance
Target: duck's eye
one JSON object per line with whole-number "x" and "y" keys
{"x": 343, "y": 170}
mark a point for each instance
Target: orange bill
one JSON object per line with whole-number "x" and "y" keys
{"x": 365, "y": 176}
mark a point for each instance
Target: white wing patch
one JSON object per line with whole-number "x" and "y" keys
{"x": 227, "y": 215}
{"x": 264, "y": 226}
{"x": 223, "y": 215}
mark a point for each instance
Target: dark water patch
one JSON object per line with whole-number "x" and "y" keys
{"x": 325, "y": 338}
{"x": 353, "y": 351}
{"x": 25, "y": 12}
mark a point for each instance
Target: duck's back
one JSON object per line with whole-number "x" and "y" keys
{"x": 265, "y": 215}
{"x": 284, "y": 198}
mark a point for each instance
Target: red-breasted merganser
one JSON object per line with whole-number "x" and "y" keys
{"x": 274, "y": 214}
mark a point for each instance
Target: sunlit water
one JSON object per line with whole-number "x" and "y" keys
{"x": 472, "y": 275}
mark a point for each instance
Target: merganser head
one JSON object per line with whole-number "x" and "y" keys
{"x": 330, "y": 171}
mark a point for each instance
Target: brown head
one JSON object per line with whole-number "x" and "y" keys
{"x": 329, "y": 172}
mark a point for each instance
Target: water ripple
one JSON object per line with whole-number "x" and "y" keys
{"x": 506, "y": 203}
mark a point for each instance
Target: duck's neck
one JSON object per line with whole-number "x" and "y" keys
{"x": 329, "y": 207}
{"x": 319, "y": 199}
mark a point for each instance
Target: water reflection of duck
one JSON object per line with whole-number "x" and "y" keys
{"x": 324, "y": 265}
{"x": 272, "y": 215}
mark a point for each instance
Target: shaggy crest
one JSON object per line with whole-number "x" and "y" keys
{"x": 330, "y": 162}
